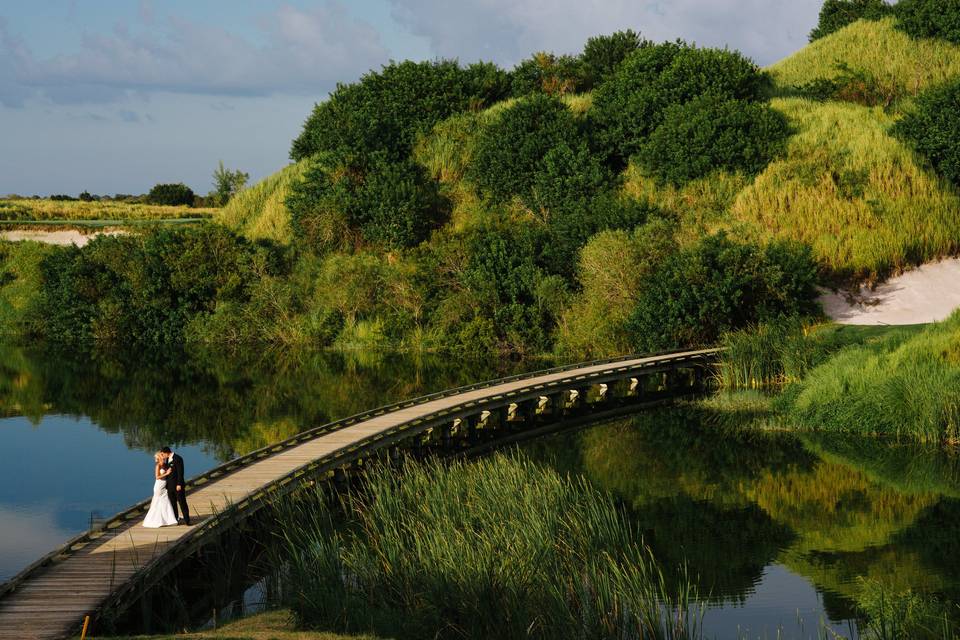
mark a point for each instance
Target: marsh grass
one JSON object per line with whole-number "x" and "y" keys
{"x": 495, "y": 548}
{"x": 901, "y": 64}
{"x": 899, "y": 386}
{"x": 28, "y": 210}
{"x": 855, "y": 194}
{"x": 260, "y": 212}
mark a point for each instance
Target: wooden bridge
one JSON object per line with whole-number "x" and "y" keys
{"x": 102, "y": 570}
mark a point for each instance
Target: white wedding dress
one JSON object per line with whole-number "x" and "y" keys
{"x": 161, "y": 511}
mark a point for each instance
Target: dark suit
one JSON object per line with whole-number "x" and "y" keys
{"x": 178, "y": 498}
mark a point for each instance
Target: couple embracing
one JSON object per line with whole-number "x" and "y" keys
{"x": 169, "y": 491}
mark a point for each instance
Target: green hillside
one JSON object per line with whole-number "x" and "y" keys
{"x": 260, "y": 212}
{"x": 901, "y": 65}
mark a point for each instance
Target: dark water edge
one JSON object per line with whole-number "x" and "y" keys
{"x": 780, "y": 532}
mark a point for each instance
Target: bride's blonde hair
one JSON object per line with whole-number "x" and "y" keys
{"x": 156, "y": 456}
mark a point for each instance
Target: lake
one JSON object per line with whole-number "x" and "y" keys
{"x": 779, "y": 531}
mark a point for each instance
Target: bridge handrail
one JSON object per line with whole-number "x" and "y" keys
{"x": 126, "y": 515}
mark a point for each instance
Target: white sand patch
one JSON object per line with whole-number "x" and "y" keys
{"x": 61, "y": 237}
{"x": 927, "y": 294}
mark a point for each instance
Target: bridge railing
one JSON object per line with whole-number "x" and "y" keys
{"x": 118, "y": 520}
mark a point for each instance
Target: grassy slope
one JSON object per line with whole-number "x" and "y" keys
{"x": 857, "y": 195}
{"x": 78, "y": 210}
{"x": 260, "y": 212}
{"x": 878, "y": 48}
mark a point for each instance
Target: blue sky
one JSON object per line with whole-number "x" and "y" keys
{"x": 114, "y": 96}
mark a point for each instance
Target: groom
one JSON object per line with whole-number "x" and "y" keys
{"x": 177, "y": 486}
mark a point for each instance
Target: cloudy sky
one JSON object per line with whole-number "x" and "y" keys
{"x": 117, "y": 95}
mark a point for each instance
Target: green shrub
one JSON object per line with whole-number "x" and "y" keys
{"x": 719, "y": 285}
{"x": 930, "y": 18}
{"x": 603, "y": 54}
{"x": 174, "y": 195}
{"x": 385, "y": 110}
{"x": 933, "y": 129}
{"x": 147, "y": 290}
{"x": 630, "y": 105}
{"x": 510, "y": 151}
{"x": 836, "y": 14}
{"x": 711, "y": 133}
{"x": 390, "y": 202}
{"x": 548, "y": 73}
{"x": 20, "y": 282}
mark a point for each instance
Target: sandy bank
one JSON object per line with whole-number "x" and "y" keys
{"x": 60, "y": 237}
{"x": 927, "y": 294}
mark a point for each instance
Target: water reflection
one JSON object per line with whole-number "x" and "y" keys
{"x": 753, "y": 512}
{"x": 79, "y": 430}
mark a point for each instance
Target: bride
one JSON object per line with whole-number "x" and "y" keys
{"x": 161, "y": 511}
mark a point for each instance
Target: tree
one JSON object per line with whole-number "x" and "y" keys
{"x": 172, "y": 194}
{"x": 836, "y": 14}
{"x": 226, "y": 184}
{"x": 603, "y": 54}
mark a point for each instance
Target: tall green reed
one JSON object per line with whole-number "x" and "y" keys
{"x": 495, "y": 548}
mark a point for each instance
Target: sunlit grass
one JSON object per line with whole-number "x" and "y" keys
{"x": 260, "y": 212}
{"x": 28, "y": 209}
{"x": 853, "y": 192}
{"x": 893, "y": 58}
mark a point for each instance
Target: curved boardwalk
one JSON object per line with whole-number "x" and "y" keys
{"x": 86, "y": 576}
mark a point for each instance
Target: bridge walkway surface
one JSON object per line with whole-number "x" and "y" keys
{"x": 50, "y": 598}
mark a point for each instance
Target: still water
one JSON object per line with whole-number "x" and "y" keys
{"x": 779, "y": 530}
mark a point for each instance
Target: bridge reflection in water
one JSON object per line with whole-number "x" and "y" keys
{"x": 101, "y": 572}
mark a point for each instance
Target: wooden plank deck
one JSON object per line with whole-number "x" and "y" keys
{"x": 51, "y": 603}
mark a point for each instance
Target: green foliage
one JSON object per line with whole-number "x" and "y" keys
{"x": 603, "y": 54}
{"x": 495, "y": 548}
{"x": 226, "y": 184}
{"x": 386, "y": 110}
{"x": 547, "y": 73}
{"x": 901, "y": 386}
{"x": 177, "y": 194}
{"x": 933, "y": 129}
{"x": 930, "y": 18}
{"x": 146, "y": 290}
{"x": 509, "y": 152}
{"x": 631, "y": 104}
{"x": 836, "y": 14}
{"x": 718, "y": 285}
{"x": 710, "y": 133}
{"x": 392, "y": 203}
{"x": 20, "y": 282}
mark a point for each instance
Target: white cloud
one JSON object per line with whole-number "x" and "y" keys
{"x": 305, "y": 52}
{"x": 506, "y": 31}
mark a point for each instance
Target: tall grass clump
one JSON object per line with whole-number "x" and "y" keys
{"x": 904, "y": 65}
{"x": 854, "y": 193}
{"x": 496, "y": 548}
{"x": 901, "y": 615}
{"x": 260, "y": 212}
{"x": 906, "y": 388}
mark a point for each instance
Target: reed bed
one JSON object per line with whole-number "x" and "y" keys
{"x": 496, "y": 548}
{"x": 878, "y": 48}
{"x": 859, "y": 197}
{"x": 28, "y": 210}
{"x": 260, "y": 212}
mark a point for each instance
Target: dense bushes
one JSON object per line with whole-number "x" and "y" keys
{"x": 177, "y": 194}
{"x": 933, "y": 128}
{"x": 930, "y": 18}
{"x": 711, "y": 133}
{"x": 509, "y": 152}
{"x": 146, "y": 290}
{"x": 547, "y": 73}
{"x": 631, "y": 104}
{"x": 391, "y": 203}
{"x": 603, "y": 54}
{"x": 385, "y": 110}
{"x": 836, "y": 14}
{"x": 718, "y": 285}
